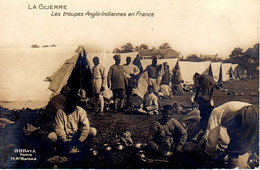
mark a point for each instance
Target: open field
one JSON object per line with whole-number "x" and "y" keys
{"x": 108, "y": 127}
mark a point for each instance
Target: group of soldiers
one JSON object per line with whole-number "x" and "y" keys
{"x": 238, "y": 119}
{"x": 121, "y": 79}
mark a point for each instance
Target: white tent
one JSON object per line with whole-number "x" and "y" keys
{"x": 215, "y": 69}
{"x": 105, "y": 59}
{"x": 238, "y": 72}
{"x": 233, "y": 66}
{"x": 188, "y": 69}
{"x": 22, "y": 75}
{"x": 225, "y": 71}
{"x": 233, "y": 71}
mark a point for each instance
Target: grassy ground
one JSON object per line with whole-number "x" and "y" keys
{"x": 108, "y": 127}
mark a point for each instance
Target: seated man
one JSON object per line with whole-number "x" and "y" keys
{"x": 150, "y": 104}
{"x": 165, "y": 92}
{"x": 177, "y": 81}
{"x": 166, "y": 134}
{"x": 72, "y": 126}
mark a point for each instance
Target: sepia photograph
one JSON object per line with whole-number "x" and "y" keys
{"x": 119, "y": 84}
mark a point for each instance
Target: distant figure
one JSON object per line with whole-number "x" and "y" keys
{"x": 98, "y": 83}
{"x": 117, "y": 81}
{"x": 204, "y": 86}
{"x": 130, "y": 71}
{"x": 72, "y": 127}
{"x": 166, "y": 134}
{"x": 177, "y": 89}
{"x": 137, "y": 62}
{"x": 233, "y": 128}
{"x": 154, "y": 74}
{"x": 166, "y": 77}
{"x": 57, "y": 102}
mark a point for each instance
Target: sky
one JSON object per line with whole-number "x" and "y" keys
{"x": 189, "y": 26}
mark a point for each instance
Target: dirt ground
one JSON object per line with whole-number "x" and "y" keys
{"x": 109, "y": 127}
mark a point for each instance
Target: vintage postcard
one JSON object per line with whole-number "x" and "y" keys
{"x": 129, "y": 84}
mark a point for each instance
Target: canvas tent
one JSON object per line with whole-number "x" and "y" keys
{"x": 188, "y": 69}
{"x": 237, "y": 72}
{"x": 233, "y": 72}
{"x": 23, "y": 84}
{"x": 22, "y": 75}
{"x": 225, "y": 70}
{"x": 215, "y": 70}
{"x": 105, "y": 59}
{"x": 83, "y": 76}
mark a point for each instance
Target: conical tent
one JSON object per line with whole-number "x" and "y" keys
{"x": 224, "y": 74}
{"x": 215, "y": 68}
{"x": 105, "y": 59}
{"x": 61, "y": 77}
{"x": 238, "y": 72}
{"x": 27, "y": 81}
{"x": 233, "y": 72}
{"x": 188, "y": 69}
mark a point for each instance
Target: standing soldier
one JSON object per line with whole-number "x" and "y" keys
{"x": 130, "y": 71}
{"x": 98, "y": 84}
{"x": 166, "y": 78}
{"x": 154, "y": 74}
{"x": 117, "y": 82}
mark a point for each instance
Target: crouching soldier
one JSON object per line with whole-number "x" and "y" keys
{"x": 72, "y": 127}
{"x": 233, "y": 128}
{"x": 166, "y": 135}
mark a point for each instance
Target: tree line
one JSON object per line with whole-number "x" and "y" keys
{"x": 128, "y": 47}
{"x": 248, "y": 59}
